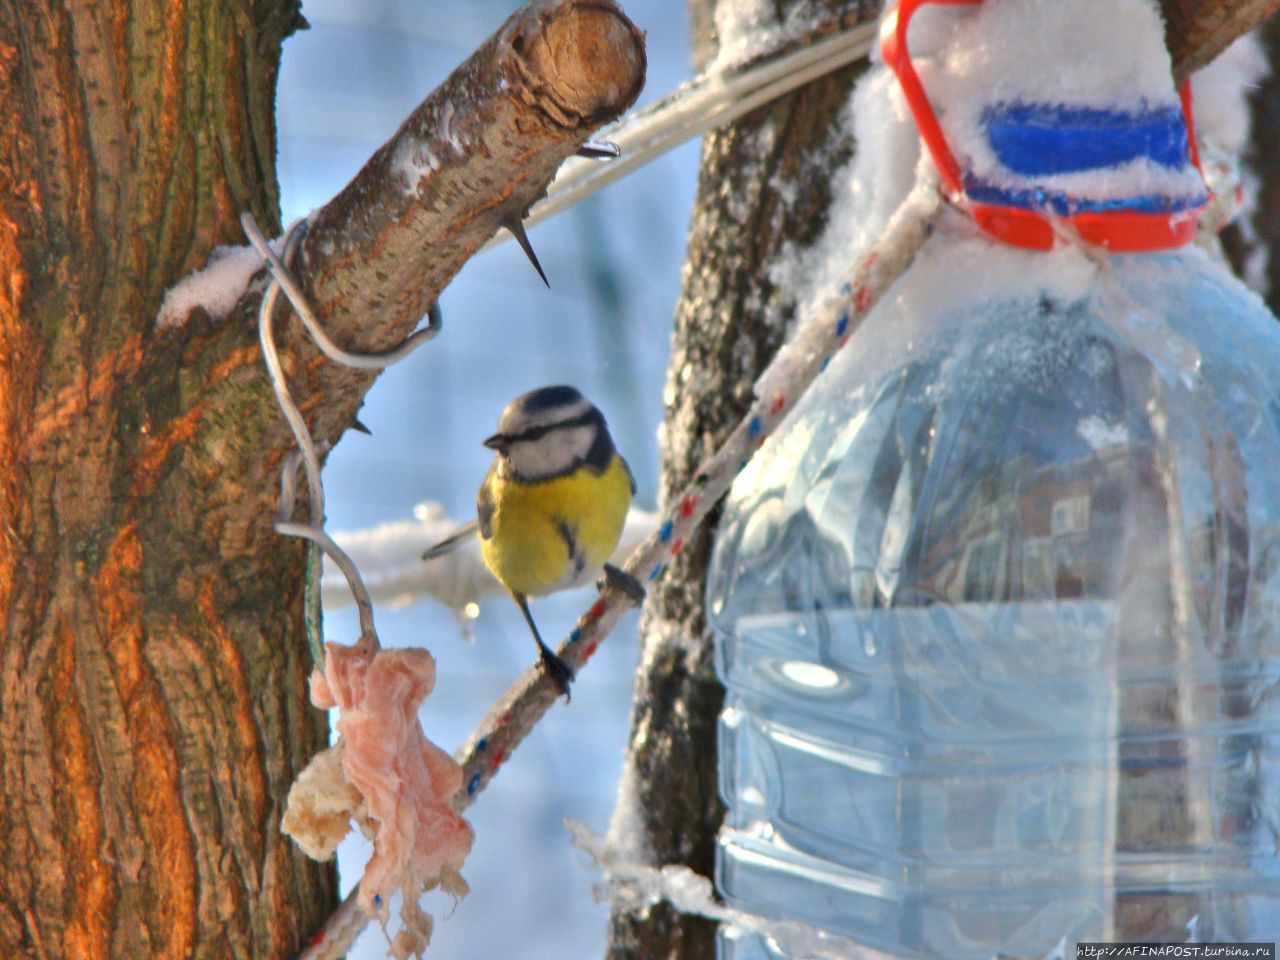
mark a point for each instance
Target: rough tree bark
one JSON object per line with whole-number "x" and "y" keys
{"x": 150, "y": 671}
{"x": 763, "y": 188}
{"x": 1198, "y": 30}
{"x": 153, "y": 705}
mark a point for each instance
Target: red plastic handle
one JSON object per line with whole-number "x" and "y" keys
{"x": 893, "y": 47}
{"x": 1118, "y": 230}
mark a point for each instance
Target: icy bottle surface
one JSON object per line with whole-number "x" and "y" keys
{"x": 998, "y": 613}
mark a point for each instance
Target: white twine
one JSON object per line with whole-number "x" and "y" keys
{"x": 282, "y": 279}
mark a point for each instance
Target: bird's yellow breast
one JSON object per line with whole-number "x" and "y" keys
{"x": 527, "y": 549}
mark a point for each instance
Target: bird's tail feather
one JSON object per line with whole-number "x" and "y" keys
{"x": 453, "y": 541}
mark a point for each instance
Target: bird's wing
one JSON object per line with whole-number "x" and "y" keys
{"x": 455, "y": 539}
{"x": 570, "y": 537}
{"x": 485, "y": 506}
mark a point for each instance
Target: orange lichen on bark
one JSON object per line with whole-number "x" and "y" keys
{"x": 89, "y": 389}
{"x": 231, "y": 669}
{"x": 156, "y": 794}
{"x": 77, "y": 786}
{"x": 18, "y": 192}
{"x": 155, "y": 450}
{"x": 241, "y": 357}
{"x": 157, "y": 447}
{"x": 13, "y": 282}
{"x": 173, "y": 72}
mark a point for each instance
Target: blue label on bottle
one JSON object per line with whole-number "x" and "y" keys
{"x": 1064, "y": 205}
{"x": 1039, "y": 139}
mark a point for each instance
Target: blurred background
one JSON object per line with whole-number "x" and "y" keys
{"x": 614, "y": 266}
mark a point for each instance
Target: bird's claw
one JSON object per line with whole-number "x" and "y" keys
{"x": 621, "y": 580}
{"x": 559, "y": 671}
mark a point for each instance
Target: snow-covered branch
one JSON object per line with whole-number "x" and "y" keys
{"x": 390, "y": 558}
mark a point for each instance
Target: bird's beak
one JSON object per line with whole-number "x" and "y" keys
{"x": 497, "y": 442}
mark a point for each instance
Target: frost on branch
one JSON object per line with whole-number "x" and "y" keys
{"x": 399, "y": 780}
{"x": 634, "y": 886}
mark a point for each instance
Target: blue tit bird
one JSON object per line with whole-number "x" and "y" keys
{"x": 552, "y": 506}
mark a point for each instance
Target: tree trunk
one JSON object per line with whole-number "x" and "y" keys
{"x": 152, "y": 698}
{"x": 762, "y": 192}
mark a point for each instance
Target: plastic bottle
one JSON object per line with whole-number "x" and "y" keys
{"x": 998, "y": 613}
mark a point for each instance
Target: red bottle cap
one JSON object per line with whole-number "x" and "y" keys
{"x": 1117, "y": 230}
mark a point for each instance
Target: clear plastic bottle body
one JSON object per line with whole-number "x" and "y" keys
{"x": 998, "y": 613}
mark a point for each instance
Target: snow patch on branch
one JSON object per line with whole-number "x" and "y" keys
{"x": 1220, "y": 93}
{"x": 747, "y": 30}
{"x": 413, "y": 160}
{"x": 626, "y": 837}
{"x": 661, "y": 635}
{"x": 216, "y": 288}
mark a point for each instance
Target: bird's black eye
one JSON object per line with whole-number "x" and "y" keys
{"x": 533, "y": 433}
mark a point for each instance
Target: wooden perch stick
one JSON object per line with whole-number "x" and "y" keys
{"x": 473, "y": 156}
{"x": 470, "y": 159}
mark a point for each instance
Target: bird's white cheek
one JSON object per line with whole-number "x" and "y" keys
{"x": 551, "y": 454}
{"x": 572, "y": 445}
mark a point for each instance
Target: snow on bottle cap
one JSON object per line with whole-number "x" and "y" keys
{"x": 1053, "y": 109}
